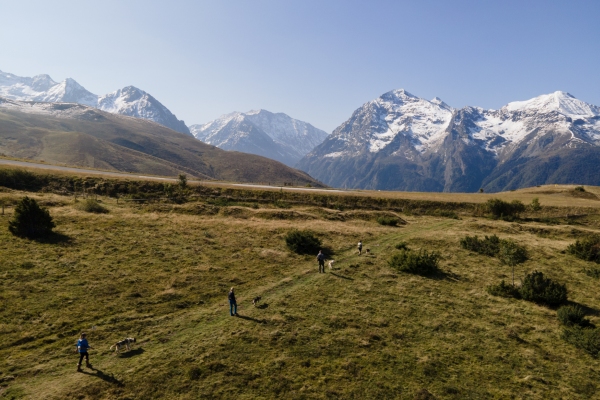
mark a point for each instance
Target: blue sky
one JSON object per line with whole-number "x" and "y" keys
{"x": 314, "y": 60}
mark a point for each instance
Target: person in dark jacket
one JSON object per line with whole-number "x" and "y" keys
{"x": 82, "y": 349}
{"x": 232, "y": 303}
{"x": 321, "y": 260}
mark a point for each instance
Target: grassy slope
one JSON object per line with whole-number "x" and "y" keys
{"x": 92, "y": 138}
{"x": 360, "y": 331}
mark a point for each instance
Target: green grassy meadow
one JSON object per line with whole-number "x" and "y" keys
{"x": 160, "y": 272}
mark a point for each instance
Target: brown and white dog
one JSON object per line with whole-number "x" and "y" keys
{"x": 123, "y": 343}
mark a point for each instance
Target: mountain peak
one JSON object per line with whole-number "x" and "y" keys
{"x": 559, "y": 101}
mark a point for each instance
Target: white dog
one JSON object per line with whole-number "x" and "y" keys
{"x": 331, "y": 264}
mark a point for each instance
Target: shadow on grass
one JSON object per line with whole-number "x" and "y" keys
{"x": 54, "y": 238}
{"x": 131, "y": 353}
{"x": 106, "y": 378}
{"x": 589, "y": 311}
{"x": 440, "y": 275}
{"x": 263, "y": 306}
{"x": 258, "y": 321}
{"x": 342, "y": 276}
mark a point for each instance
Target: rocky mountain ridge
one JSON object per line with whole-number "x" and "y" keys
{"x": 261, "y": 132}
{"x": 129, "y": 101}
{"x": 402, "y": 142}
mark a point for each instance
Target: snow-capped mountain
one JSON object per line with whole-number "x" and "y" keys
{"x": 128, "y": 101}
{"x": 272, "y": 135}
{"x": 402, "y": 142}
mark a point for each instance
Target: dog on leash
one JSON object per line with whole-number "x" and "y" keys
{"x": 123, "y": 343}
{"x": 330, "y": 263}
{"x": 255, "y": 301}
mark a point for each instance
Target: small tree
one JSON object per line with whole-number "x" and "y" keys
{"x": 535, "y": 204}
{"x": 30, "y": 220}
{"x": 512, "y": 254}
{"x": 182, "y": 181}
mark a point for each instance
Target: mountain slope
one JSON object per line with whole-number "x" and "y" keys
{"x": 84, "y": 136}
{"x": 273, "y": 135}
{"x": 402, "y": 142}
{"x": 129, "y": 101}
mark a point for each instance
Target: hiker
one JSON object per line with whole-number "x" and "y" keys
{"x": 82, "y": 349}
{"x": 359, "y": 247}
{"x": 232, "y": 303}
{"x": 321, "y": 260}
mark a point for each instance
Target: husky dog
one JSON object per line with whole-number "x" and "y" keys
{"x": 255, "y": 301}
{"x": 123, "y": 343}
{"x": 330, "y": 263}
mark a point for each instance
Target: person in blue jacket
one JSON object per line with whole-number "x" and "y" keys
{"x": 232, "y": 303}
{"x": 82, "y": 349}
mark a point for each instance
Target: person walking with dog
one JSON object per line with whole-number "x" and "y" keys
{"x": 359, "y": 247}
{"x": 321, "y": 260}
{"x": 232, "y": 303}
{"x": 82, "y": 349}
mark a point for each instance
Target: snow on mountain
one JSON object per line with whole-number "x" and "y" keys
{"x": 273, "y": 135}
{"x": 400, "y": 141}
{"x": 136, "y": 103}
{"x": 128, "y": 101}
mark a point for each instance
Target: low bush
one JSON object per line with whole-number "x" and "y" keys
{"x": 579, "y": 189}
{"x": 387, "y": 221}
{"x": 587, "y": 339}
{"x": 592, "y": 272}
{"x": 539, "y": 289}
{"x": 504, "y": 290}
{"x": 587, "y": 249}
{"x": 30, "y": 220}
{"x": 302, "y": 242}
{"x": 421, "y": 263}
{"x": 504, "y": 210}
{"x": 572, "y": 316}
{"x": 489, "y": 246}
{"x": 402, "y": 246}
{"x": 535, "y": 204}
{"x": 92, "y": 206}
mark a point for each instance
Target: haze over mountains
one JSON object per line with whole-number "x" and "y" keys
{"x": 402, "y": 142}
{"x": 129, "y": 101}
{"x": 273, "y": 135}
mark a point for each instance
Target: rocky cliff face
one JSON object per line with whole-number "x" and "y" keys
{"x": 402, "y": 142}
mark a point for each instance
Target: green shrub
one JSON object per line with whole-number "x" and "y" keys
{"x": 503, "y": 209}
{"x": 592, "y": 272}
{"x": 535, "y": 204}
{"x": 387, "y": 221}
{"x": 302, "y": 242}
{"x": 579, "y": 189}
{"x": 489, "y": 246}
{"x": 587, "y": 249}
{"x": 402, "y": 246}
{"x": 421, "y": 263}
{"x": 572, "y": 316}
{"x": 504, "y": 290}
{"x": 538, "y": 289}
{"x": 92, "y": 206}
{"x": 30, "y": 220}
{"x": 511, "y": 253}
{"x": 587, "y": 339}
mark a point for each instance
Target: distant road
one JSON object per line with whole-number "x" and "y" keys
{"x": 126, "y": 175}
